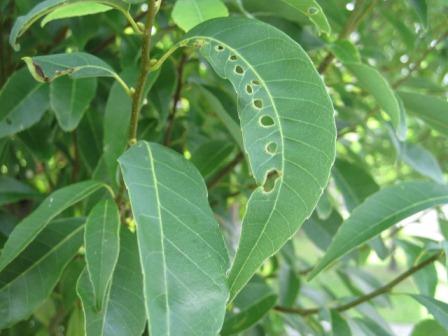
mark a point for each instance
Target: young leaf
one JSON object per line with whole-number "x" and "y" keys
{"x": 69, "y": 99}
{"x": 52, "y": 206}
{"x": 179, "y": 242}
{"x": 436, "y": 308}
{"x": 431, "y": 109}
{"x": 78, "y": 7}
{"x": 29, "y": 280}
{"x": 75, "y": 65}
{"x": 22, "y": 103}
{"x": 380, "y": 211}
{"x": 189, "y": 13}
{"x": 251, "y": 304}
{"x": 124, "y": 308}
{"x": 102, "y": 246}
{"x": 313, "y": 11}
{"x": 288, "y": 130}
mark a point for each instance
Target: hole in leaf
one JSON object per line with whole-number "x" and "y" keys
{"x": 269, "y": 183}
{"x": 271, "y": 148}
{"x": 266, "y": 121}
{"x": 255, "y": 82}
{"x": 239, "y": 70}
{"x": 258, "y": 103}
{"x": 313, "y": 10}
{"x": 219, "y": 48}
{"x": 249, "y": 89}
{"x": 233, "y": 58}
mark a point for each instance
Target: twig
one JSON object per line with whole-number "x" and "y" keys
{"x": 226, "y": 170}
{"x": 415, "y": 66}
{"x": 382, "y": 290}
{"x": 352, "y": 23}
{"x": 144, "y": 71}
{"x": 176, "y": 99}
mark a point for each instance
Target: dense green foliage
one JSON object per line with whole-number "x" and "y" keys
{"x": 158, "y": 158}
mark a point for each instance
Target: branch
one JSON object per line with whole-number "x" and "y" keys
{"x": 144, "y": 71}
{"x": 176, "y": 99}
{"x": 352, "y": 23}
{"x": 226, "y": 170}
{"x": 382, "y": 290}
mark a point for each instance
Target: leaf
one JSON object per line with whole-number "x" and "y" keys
{"x": 70, "y": 98}
{"x": 322, "y": 231}
{"x": 52, "y": 206}
{"x": 75, "y": 65}
{"x": 313, "y": 11}
{"x": 102, "y": 246}
{"x": 189, "y": 13}
{"x": 379, "y": 212}
{"x": 75, "y": 9}
{"x": 428, "y": 327}
{"x": 432, "y": 110}
{"x": 29, "y": 280}
{"x": 339, "y": 326}
{"x": 289, "y": 283}
{"x": 346, "y": 51}
{"x": 43, "y": 8}
{"x": 12, "y": 190}
{"x": 124, "y": 308}
{"x": 373, "y": 82}
{"x": 288, "y": 130}
{"x": 251, "y": 304}
{"x": 211, "y": 156}
{"x": 354, "y": 183}
{"x": 22, "y": 103}
{"x": 436, "y": 308}
{"x": 182, "y": 251}
{"x": 421, "y": 8}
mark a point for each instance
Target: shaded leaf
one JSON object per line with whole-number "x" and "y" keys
{"x": 436, "y": 308}
{"x": 339, "y": 326}
{"x": 428, "y": 327}
{"x": 52, "y": 206}
{"x": 70, "y": 98}
{"x": 29, "y": 280}
{"x": 12, "y": 190}
{"x": 211, "y": 156}
{"x": 179, "y": 242}
{"x": 102, "y": 245}
{"x": 380, "y": 211}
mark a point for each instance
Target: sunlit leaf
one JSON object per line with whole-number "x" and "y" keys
{"x": 189, "y": 13}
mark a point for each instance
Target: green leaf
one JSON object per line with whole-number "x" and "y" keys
{"x": 421, "y": 8}
{"x": 428, "y": 327}
{"x": 124, "y": 308}
{"x": 75, "y": 9}
{"x": 288, "y": 130}
{"x": 313, "y": 11}
{"x": 289, "y": 283}
{"x": 322, "y": 231}
{"x": 189, "y": 13}
{"x": 59, "y": 10}
{"x": 251, "y": 304}
{"x": 354, "y": 183}
{"x": 339, "y": 326}
{"x": 70, "y": 98}
{"x": 432, "y": 110}
{"x": 102, "y": 246}
{"x": 12, "y": 190}
{"x": 76, "y": 65}
{"x": 29, "y": 280}
{"x": 211, "y": 156}
{"x": 379, "y": 212}
{"x": 22, "y": 103}
{"x": 52, "y": 206}
{"x": 346, "y": 51}
{"x": 182, "y": 251}
{"x": 436, "y": 308}
{"x": 373, "y": 82}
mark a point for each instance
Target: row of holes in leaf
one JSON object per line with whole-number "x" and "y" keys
{"x": 265, "y": 120}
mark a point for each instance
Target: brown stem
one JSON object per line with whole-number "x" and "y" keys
{"x": 144, "y": 71}
{"x": 382, "y": 290}
{"x": 176, "y": 99}
{"x": 226, "y": 170}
